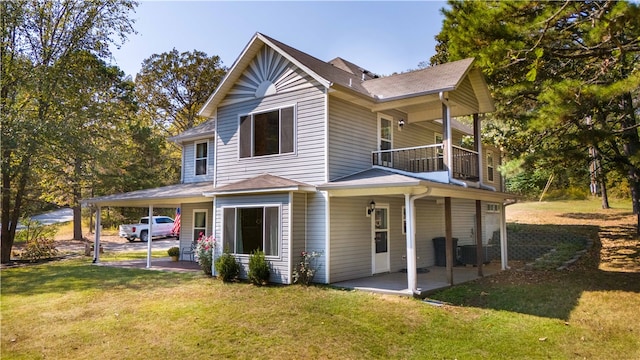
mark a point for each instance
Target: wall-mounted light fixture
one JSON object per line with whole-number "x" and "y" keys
{"x": 400, "y": 124}
{"x": 372, "y": 207}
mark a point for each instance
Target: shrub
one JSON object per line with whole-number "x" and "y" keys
{"x": 227, "y": 267}
{"x": 259, "y": 270}
{"x": 307, "y": 267}
{"x": 174, "y": 251}
{"x": 204, "y": 252}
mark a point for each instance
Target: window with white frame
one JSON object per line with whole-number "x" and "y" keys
{"x": 490, "y": 166}
{"x": 493, "y": 207}
{"x": 248, "y": 229}
{"x": 404, "y": 220}
{"x": 199, "y": 224}
{"x": 202, "y": 151}
{"x": 267, "y": 133}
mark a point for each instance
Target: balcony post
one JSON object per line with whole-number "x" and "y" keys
{"x": 477, "y": 143}
{"x": 446, "y": 135}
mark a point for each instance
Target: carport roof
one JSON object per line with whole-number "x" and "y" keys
{"x": 165, "y": 196}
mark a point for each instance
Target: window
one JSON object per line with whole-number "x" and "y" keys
{"x": 201, "y": 158}
{"x": 267, "y": 133}
{"x": 385, "y": 136}
{"x": 490, "y": 166}
{"x": 437, "y": 139}
{"x": 199, "y": 224}
{"x": 493, "y": 208}
{"x": 248, "y": 229}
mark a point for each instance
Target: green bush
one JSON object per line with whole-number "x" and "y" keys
{"x": 259, "y": 270}
{"x": 227, "y": 267}
{"x": 174, "y": 251}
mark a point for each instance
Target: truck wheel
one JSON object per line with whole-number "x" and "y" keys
{"x": 144, "y": 236}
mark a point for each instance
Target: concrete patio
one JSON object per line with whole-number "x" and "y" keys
{"x": 433, "y": 279}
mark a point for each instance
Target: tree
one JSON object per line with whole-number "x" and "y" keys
{"x": 173, "y": 86}
{"x": 39, "y": 40}
{"x": 551, "y": 66}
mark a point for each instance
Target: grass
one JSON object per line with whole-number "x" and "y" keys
{"x": 71, "y": 309}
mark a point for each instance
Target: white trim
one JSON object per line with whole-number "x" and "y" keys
{"x": 215, "y": 236}
{"x": 373, "y": 245}
{"x": 193, "y": 222}
{"x": 326, "y": 135}
{"x": 215, "y": 148}
{"x": 489, "y": 155}
{"x": 252, "y": 119}
{"x": 196, "y": 158}
{"x": 257, "y": 206}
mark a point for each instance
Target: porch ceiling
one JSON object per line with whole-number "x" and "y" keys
{"x": 383, "y": 182}
{"x": 166, "y": 196}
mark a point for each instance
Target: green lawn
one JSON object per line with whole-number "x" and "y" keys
{"x": 73, "y": 310}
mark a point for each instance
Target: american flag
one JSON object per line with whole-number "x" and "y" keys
{"x": 176, "y": 224}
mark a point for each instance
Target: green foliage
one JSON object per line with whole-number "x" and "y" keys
{"x": 38, "y": 239}
{"x": 259, "y": 270}
{"x": 173, "y": 251}
{"x": 172, "y": 87}
{"x": 564, "y": 77}
{"x": 227, "y": 267}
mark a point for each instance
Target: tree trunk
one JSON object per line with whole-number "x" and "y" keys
{"x": 603, "y": 190}
{"x": 631, "y": 142}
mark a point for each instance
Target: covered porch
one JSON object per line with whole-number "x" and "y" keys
{"x": 429, "y": 279}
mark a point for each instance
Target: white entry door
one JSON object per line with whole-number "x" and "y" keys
{"x": 380, "y": 234}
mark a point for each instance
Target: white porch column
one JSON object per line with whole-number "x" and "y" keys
{"x": 503, "y": 238}
{"x": 96, "y": 241}
{"x": 412, "y": 271}
{"x": 446, "y": 134}
{"x": 150, "y": 236}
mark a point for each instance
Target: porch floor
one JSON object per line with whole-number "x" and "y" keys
{"x": 436, "y": 278}
{"x": 160, "y": 264}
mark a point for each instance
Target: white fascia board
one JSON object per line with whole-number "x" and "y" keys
{"x": 261, "y": 191}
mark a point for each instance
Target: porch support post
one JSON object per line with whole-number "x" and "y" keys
{"x": 446, "y": 134}
{"x": 477, "y": 144}
{"x": 503, "y": 238}
{"x": 479, "y": 249}
{"x": 448, "y": 230}
{"x": 150, "y": 236}
{"x": 412, "y": 271}
{"x": 96, "y": 240}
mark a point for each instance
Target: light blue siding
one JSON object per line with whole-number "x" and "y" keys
{"x": 280, "y": 264}
{"x": 186, "y": 223}
{"x": 189, "y": 162}
{"x": 306, "y": 164}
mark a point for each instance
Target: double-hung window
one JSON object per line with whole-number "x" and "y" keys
{"x": 201, "y": 158}
{"x": 248, "y": 229}
{"x": 199, "y": 224}
{"x": 267, "y": 133}
{"x": 490, "y": 166}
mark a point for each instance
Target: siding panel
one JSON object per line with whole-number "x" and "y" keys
{"x": 186, "y": 223}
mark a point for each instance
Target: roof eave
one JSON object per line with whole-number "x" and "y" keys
{"x": 299, "y": 188}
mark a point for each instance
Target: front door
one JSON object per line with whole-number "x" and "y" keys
{"x": 380, "y": 232}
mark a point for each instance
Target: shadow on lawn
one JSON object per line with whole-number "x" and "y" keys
{"x": 555, "y": 293}
{"x": 65, "y": 276}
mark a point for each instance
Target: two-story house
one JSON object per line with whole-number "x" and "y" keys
{"x": 300, "y": 154}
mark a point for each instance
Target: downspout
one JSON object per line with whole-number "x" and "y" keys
{"x": 504, "y": 260}
{"x": 412, "y": 268}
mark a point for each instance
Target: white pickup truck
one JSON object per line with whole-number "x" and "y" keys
{"x": 162, "y": 227}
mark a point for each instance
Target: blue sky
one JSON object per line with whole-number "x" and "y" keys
{"x": 383, "y": 37}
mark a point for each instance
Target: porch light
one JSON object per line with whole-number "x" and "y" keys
{"x": 400, "y": 124}
{"x": 372, "y": 207}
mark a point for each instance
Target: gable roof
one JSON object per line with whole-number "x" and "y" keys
{"x": 201, "y": 131}
{"x": 264, "y": 183}
{"x": 348, "y": 77}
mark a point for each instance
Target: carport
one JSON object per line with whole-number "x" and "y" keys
{"x": 172, "y": 196}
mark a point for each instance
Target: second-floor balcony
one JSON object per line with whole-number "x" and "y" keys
{"x": 430, "y": 159}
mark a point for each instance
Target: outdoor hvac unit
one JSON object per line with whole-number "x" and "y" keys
{"x": 468, "y": 254}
